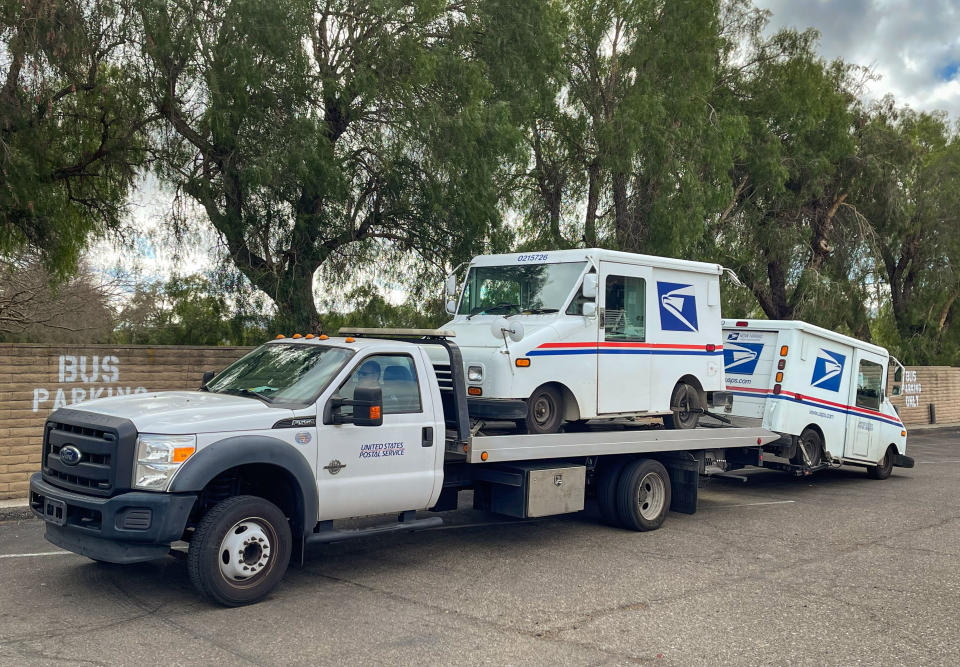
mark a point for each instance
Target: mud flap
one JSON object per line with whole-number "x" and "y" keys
{"x": 684, "y": 469}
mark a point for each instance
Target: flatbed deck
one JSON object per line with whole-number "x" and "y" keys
{"x": 514, "y": 447}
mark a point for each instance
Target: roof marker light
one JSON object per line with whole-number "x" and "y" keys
{"x": 298, "y": 335}
{"x": 280, "y": 336}
{"x": 349, "y": 340}
{"x": 308, "y": 336}
{"x": 323, "y": 336}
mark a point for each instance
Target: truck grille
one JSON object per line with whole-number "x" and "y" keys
{"x": 100, "y": 447}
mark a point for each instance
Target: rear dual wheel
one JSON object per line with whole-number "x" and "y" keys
{"x": 635, "y": 495}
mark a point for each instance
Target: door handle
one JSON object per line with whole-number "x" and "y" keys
{"x": 427, "y": 439}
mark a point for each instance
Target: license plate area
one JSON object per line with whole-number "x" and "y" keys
{"x": 55, "y": 511}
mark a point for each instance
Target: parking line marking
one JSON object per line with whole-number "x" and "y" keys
{"x": 41, "y": 553}
{"x": 958, "y": 461}
{"x": 771, "y": 502}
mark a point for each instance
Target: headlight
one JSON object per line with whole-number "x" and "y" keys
{"x": 475, "y": 374}
{"x": 159, "y": 457}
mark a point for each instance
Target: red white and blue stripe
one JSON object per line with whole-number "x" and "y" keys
{"x": 817, "y": 403}
{"x": 614, "y": 347}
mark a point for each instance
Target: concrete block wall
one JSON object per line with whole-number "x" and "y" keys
{"x": 925, "y": 385}
{"x": 36, "y": 379}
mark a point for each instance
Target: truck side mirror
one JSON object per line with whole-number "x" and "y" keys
{"x": 590, "y": 282}
{"x": 450, "y": 285}
{"x": 207, "y": 376}
{"x": 367, "y": 405}
{"x": 451, "y": 306}
{"x": 590, "y": 309}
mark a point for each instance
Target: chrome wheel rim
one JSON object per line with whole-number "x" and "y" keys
{"x": 651, "y": 495}
{"x": 245, "y": 550}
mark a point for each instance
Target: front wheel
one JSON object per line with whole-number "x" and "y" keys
{"x": 239, "y": 551}
{"x": 884, "y": 467}
{"x": 544, "y": 411}
{"x": 685, "y": 404}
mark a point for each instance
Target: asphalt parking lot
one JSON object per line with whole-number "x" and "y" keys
{"x": 837, "y": 569}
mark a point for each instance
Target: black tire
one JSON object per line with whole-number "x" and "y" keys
{"x": 544, "y": 410}
{"x": 811, "y": 442}
{"x": 687, "y": 400}
{"x": 883, "y": 469}
{"x": 260, "y": 533}
{"x": 607, "y": 480}
{"x": 643, "y": 495}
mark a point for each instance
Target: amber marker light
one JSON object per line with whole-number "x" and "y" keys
{"x": 779, "y": 377}
{"x": 783, "y": 350}
{"x": 475, "y": 391}
{"x": 523, "y": 362}
{"x": 903, "y": 433}
{"x": 374, "y": 412}
{"x": 483, "y": 456}
{"x": 349, "y": 340}
{"x": 181, "y": 454}
{"x": 323, "y": 336}
{"x": 308, "y": 336}
{"x": 279, "y": 336}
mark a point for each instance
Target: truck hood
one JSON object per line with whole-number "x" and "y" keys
{"x": 182, "y": 412}
{"x": 477, "y": 333}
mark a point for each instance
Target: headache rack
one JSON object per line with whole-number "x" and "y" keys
{"x": 450, "y": 376}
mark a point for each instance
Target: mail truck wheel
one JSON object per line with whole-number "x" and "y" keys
{"x": 643, "y": 495}
{"x": 544, "y": 410}
{"x": 239, "y": 551}
{"x": 685, "y": 403}
{"x": 883, "y": 469}
{"x": 810, "y": 444}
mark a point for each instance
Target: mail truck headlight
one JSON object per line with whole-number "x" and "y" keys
{"x": 159, "y": 457}
{"x": 475, "y": 374}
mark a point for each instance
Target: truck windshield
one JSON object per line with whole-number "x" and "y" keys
{"x": 282, "y": 372}
{"x": 525, "y": 288}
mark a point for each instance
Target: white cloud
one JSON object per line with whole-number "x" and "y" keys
{"x": 913, "y": 46}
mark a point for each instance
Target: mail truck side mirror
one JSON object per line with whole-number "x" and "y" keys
{"x": 590, "y": 287}
{"x": 590, "y": 309}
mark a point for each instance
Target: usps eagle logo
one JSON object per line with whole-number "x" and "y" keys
{"x": 678, "y": 307}
{"x": 741, "y": 358}
{"x": 827, "y": 370}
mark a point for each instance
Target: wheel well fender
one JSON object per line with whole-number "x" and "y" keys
{"x": 253, "y": 451}
{"x": 571, "y": 409}
{"x": 694, "y": 382}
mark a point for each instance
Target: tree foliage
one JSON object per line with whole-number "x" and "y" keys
{"x": 71, "y": 126}
{"x": 315, "y": 132}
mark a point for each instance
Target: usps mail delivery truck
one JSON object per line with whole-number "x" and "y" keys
{"x": 825, "y": 393}
{"x": 572, "y": 335}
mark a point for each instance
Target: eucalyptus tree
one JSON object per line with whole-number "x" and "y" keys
{"x": 909, "y": 196}
{"x": 321, "y": 132}
{"x": 788, "y": 230}
{"x": 71, "y": 126}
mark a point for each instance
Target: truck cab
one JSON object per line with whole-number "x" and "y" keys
{"x": 570, "y": 335}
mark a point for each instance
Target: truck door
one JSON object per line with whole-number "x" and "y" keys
{"x": 623, "y": 359}
{"x": 388, "y": 468}
{"x": 866, "y": 394}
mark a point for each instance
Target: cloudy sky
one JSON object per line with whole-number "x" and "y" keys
{"x": 913, "y": 46}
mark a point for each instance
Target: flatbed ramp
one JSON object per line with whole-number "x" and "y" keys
{"x": 504, "y": 448}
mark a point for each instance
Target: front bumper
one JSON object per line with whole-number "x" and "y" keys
{"x": 127, "y": 528}
{"x": 903, "y": 461}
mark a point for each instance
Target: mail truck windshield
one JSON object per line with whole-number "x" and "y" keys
{"x": 526, "y": 288}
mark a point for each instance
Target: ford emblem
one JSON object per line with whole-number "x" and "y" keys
{"x": 70, "y": 455}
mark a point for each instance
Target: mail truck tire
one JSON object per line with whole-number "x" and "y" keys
{"x": 643, "y": 495}
{"x": 607, "y": 480}
{"x": 239, "y": 551}
{"x": 686, "y": 400}
{"x": 544, "y": 410}
{"x": 883, "y": 469}
{"x": 811, "y": 443}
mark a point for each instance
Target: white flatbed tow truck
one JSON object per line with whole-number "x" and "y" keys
{"x": 303, "y": 432}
